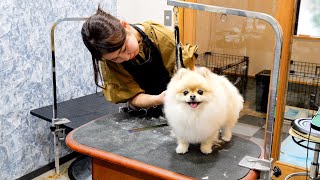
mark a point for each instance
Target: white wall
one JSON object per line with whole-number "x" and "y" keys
{"x": 135, "y": 11}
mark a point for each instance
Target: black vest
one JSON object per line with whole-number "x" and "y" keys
{"x": 151, "y": 75}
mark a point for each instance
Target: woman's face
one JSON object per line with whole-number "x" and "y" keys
{"x": 128, "y": 51}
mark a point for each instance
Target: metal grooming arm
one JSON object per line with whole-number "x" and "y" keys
{"x": 58, "y": 132}
{"x": 276, "y": 63}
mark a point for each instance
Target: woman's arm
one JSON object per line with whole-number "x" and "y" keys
{"x": 146, "y": 100}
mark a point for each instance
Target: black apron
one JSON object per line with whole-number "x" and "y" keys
{"x": 150, "y": 74}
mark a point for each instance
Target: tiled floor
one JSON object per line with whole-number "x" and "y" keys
{"x": 251, "y": 125}
{"x": 52, "y": 174}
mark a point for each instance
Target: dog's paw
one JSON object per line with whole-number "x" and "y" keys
{"x": 182, "y": 148}
{"x": 206, "y": 148}
{"x": 227, "y": 135}
{"x": 226, "y": 138}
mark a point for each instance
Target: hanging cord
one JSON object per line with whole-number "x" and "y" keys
{"x": 179, "y": 60}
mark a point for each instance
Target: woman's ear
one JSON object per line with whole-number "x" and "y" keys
{"x": 124, "y": 24}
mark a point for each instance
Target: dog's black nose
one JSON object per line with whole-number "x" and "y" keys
{"x": 192, "y": 97}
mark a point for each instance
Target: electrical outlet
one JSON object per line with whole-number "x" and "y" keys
{"x": 167, "y": 17}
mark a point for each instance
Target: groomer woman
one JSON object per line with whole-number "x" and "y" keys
{"x": 133, "y": 62}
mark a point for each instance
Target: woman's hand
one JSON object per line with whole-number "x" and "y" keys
{"x": 161, "y": 97}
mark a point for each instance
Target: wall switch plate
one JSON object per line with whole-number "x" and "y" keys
{"x": 167, "y": 17}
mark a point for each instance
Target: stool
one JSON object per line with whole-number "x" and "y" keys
{"x": 81, "y": 168}
{"x": 300, "y": 131}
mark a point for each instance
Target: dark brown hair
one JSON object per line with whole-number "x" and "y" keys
{"x": 102, "y": 33}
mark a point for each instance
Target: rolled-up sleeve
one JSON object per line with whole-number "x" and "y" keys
{"x": 119, "y": 84}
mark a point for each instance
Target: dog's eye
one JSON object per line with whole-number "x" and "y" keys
{"x": 200, "y": 92}
{"x": 185, "y": 92}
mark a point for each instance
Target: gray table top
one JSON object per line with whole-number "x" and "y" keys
{"x": 151, "y": 142}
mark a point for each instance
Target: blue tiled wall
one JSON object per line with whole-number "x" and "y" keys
{"x": 26, "y": 143}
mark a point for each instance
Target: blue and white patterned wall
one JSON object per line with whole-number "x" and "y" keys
{"x": 26, "y": 143}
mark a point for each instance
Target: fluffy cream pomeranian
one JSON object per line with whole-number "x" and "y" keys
{"x": 197, "y": 105}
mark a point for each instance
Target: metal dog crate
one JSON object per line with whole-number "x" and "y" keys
{"x": 234, "y": 67}
{"x": 303, "y": 85}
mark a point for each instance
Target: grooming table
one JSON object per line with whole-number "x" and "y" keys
{"x": 79, "y": 110}
{"x": 123, "y": 146}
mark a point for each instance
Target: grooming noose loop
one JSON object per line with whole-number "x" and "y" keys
{"x": 179, "y": 60}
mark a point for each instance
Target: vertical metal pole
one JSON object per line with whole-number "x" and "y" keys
{"x": 54, "y": 106}
{"x": 55, "y": 127}
{"x": 56, "y": 152}
{"x": 314, "y": 168}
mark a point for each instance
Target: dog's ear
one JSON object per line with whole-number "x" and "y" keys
{"x": 205, "y": 72}
{"x": 180, "y": 73}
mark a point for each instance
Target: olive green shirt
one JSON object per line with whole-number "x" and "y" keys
{"x": 120, "y": 86}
